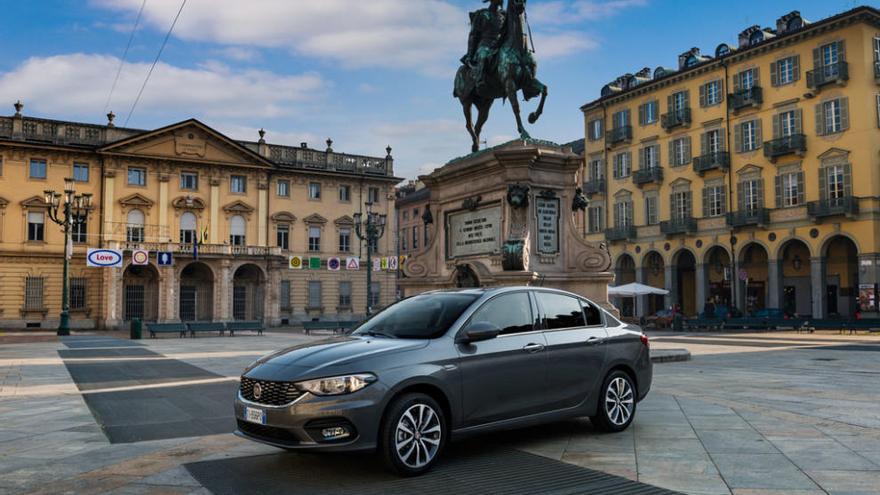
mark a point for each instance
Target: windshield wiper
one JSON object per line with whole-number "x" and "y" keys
{"x": 374, "y": 333}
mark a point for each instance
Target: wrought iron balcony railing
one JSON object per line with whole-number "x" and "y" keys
{"x": 621, "y": 134}
{"x": 877, "y": 71}
{"x": 647, "y": 176}
{"x": 755, "y": 216}
{"x": 786, "y": 145}
{"x": 827, "y": 74}
{"x": 684, "y": 225}
{"x": 594, "y": 186}
{"x": 675, "y": 118}
{"x": 712, "y": 161}
{"x": 846, "y": 205}
{"x": 620, "y": 233}
{"x": 752, "y": 97}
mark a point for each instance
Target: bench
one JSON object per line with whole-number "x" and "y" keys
{"x": 695, "y": 324}
{"x": 244, "y": 326}
{"x": 310, "y": 326}
{"x": 348, "y": 325}
{"x": 206, "y": 326}
{"x": 747, "y": 323}
{"x": 154, "y": 328}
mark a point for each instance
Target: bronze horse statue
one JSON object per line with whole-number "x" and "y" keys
{"x": 510, "y": 69}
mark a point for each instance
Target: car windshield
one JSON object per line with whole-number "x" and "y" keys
{"x": 425, "y": 316}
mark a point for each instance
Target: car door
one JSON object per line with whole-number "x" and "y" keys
{"x": 504, "y": 377}
{"x": 575, "y": 333}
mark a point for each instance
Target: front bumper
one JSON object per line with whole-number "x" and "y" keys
{"x": 298, "y": 425}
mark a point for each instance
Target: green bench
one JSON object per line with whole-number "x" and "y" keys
{"x": 348, "y": 325}
{"x": 206, "y": 326}
{"x": 244, "y": 326}
{"x": 154, "y": 328}
{"x": 695, "y": 324}
{"x": 310, "y": 326}
{"x": 747, "y": 323}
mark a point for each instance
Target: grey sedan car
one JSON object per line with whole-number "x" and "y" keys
{"x": 442, "y": 365}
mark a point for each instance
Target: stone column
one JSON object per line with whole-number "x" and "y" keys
{"x": 113, "y": 304}
{"x": 223, "y": 292}
{"x": 671, "y": 285}
{"x": 214, "y": 218}
{"x": 168, "y": 306}
{"x": 262, "y": 212}
{"x": 701, "y": 280}
{"x": 272, "y": 307}
{"x": 164, "y": 231}
{"x": 108, "y": 200}
{"x": 817, "y": 282}
{"x": 774, "y": 284}
{"x": 641, "y": 301}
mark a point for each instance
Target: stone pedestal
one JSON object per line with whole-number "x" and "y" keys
{"x": 507, "y": 216}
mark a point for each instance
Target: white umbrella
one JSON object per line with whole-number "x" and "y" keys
{"x": 635, "y": 289}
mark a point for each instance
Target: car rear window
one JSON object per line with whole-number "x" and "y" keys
{"x": 425, "y": 316}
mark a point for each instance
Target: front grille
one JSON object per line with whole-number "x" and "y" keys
{"x": 270, "y": 433}
{"x": 271, "y": 393}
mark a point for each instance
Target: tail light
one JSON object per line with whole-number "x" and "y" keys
{"x": 644, "y": 339}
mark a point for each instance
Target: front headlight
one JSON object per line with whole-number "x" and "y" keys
{"x": 337, "y": 385}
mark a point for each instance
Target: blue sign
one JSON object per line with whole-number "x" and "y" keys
{"x": 164, "y": 258}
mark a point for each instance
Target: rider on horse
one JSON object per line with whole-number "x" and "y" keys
{"x": 486, "y": 36}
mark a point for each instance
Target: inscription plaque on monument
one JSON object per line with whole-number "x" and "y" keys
{"x": 474, "y": 232}
{"x": 547, "y": 212}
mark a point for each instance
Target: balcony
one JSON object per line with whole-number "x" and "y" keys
{"x": 787, "y": 145}
{"x": 828, "y": 74}
{"x": 747, "y": 98}
{"x": 208, "y": 250}
{"x": 617, "y": 135}
{"x": 684, "y": 225}
{"x": 595, "y": 186}
{"x": 846, "y": 205}
{"x": 676, "y": 118}
{"x": 758, "y": 217}
{"x": 718, "y": 160}
{"x": 648, "y": 175}
{"x": 620, "y": 233}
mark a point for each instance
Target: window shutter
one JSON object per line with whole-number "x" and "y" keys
{"x": 758, "y": 135}
{"x": 657, "y": 155}
{"x": 841, "y": 50}
{"x": 817, "y": 58}
{"x": 672, "y": 206}
{"x": 740, "y": 196}
{"x": 800, "y": 186}
{"x": 704, "y": 143}
{"x": 820, "y": 119}
{"x": 723, "y": 194}
{"x": 705, "y": 202}
{"x": 823, "y": 180}
{"x": 720, "y": 91}
{"x": 641, "y": 114}
{"x": 687, "y": 149}
{"x": 629, "y": 213}
{"x": 759, "y": 187}
{"x": 670, "y": 105}
{"x": 774, "y": 80}
{"x": 737, "y": 83}
{"x": 688, "y": 205}
{"x": 844, "y": 113}
{"x": 642, "y": 158}
{"x": 798, "y": 121}
{"x": 796, "y": 67}
{"x": 778, "y": 187}
{"x": 847, "y": 180}
{"x": 627, "y": 165}
{"x": 721, "y": 140}
{"x": 756, "y": 77}
{"x": 737, "y": 138}
{"x": 617, "y": 214}
{"x": 626, "y": 116}
{"x": 703, "y": 89}
{"x": 687, "y": 98}
{"x": 776, "y": 121}
{"x": 672, "y": 160}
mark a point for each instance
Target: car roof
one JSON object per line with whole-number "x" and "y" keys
{"x": 487, "y": 291}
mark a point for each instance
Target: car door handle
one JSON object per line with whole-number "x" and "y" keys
{"x": 532, "y": 348}
{"x": 595, "y": 340}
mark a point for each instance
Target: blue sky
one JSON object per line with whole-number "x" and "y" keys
{"x": 367, "y": 73}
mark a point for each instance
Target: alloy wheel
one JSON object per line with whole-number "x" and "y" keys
{"x": 417, "y": 435}
{"x": 619, "y": 401}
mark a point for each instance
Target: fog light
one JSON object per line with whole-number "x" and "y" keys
{"x": 334, "y": 433}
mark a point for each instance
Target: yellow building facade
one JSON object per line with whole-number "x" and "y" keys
{"x": 231, "y": 213}
{"x": 749, "y": 177}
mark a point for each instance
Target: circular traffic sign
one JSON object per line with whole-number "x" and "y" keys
{"x": 140, "y": 257}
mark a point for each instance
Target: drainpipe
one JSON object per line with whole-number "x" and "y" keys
{"x": 734, "y": 277}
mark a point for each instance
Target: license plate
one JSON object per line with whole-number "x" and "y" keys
{"x": 255, "y": 415}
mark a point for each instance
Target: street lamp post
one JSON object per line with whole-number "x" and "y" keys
{"x": 369, "y": 228}
{"x": 68, "y": 210}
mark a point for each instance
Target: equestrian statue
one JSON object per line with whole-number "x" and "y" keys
{"x": 497, "y": 65}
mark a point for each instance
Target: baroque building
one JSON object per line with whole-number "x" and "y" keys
{"x": 232, "y": 213}
{"x": 750, "y": 176}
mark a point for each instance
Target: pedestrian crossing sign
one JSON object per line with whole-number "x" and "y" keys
{"x": 314, "y": 263}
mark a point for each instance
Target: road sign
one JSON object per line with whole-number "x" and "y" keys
{"x": 314, "y": 263}
{"x": 333, "y": 264}
{"x": 352, "y": 263}
{"x": 164, "y": 258}
{"x": 104, "y": 258}
{"x": 295, "y": 263}
{"x": 140, "y": 257}
{"x": 377, "y": 265}
{"x": 392, "y": 263}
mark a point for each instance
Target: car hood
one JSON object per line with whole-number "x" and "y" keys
{"x": 314, "y": 359}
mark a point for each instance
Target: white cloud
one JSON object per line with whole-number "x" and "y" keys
{"x": 427, "y": 35}
{"x": 240, "y": 54}
{"x": 78, "y": 84}
{"x": 561, "y": 44}
{"x": 574, "y": 11}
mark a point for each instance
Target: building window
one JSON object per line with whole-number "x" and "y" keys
{"x": 77, "y": 293}
{"x": 751, "y": 195}
{"x": 785, "y": 71}
{"x": 651, "y": 215}
{"x": 344, "y": 294}
{"x": 595, "y": 219}
{"x": 678, "y": 101}
{"x": 375, "y": 292}
{"x": 137, "y": 177}
{"x": 650, "y": 157}
{"x": 188, "y": 228}
{"x": 81, "y": 172}
{"x": 405, "y": 215}
{"x": 189, "y": 181}
{"x": 238, "y": 184}
{"x": 878, "y": 110}
{"x": 345, "y": 240}
{"x": 282, "y": 236}
{"x": 833, "y": 116}
{"x": 237, "y": 230}
{"x": 835, "y": 180}
{"x": 789, "y": 123}
{"x": 78, "y": 231}
{"x": 623, "y": 214}
{"x": 403, "y": 241}
{"x": 713, "y": 142}
{"x": 830, "y": 54}
{"x": 282, "y": 188}
{"x": 38, "y": 169}
{"x": 595, "y": 169}
{"x": 681, "y": 205}
{"x": 314, "y": 238}
{"x": 314, "y": 294}
{"x": 680, "y": 151}
{"x": 373, "y": 195}
{"x": 415, "y": 213}
{"x": 877, "y": 49}
{"x": 711, "y": 94}
{"x": 748, "y": 135}
{"x": 745, "y": 80}
{"x": 135, "y": 226}
{"x": 648, "y": 113}
{"x": 345, "y": 193}
{"x": 36, "y": 228}
{"x": 314, "y": 190}
{"x": 791, "y": 189}
{"x": 284, "y": 295}
{"x": 415, "y": 237}
{"x": 33, "y": 294}
{"x": 713, "y": 201}
{"x": 594, "y": 129}
{"x": 622, "y": 165}
{"x": 620, "y": 119}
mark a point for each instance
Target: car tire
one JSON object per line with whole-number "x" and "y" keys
{"x": 412, "y": 434}
{"x": 616, "y": 406}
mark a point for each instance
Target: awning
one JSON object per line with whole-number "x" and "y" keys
{"x": 635, "y": 289}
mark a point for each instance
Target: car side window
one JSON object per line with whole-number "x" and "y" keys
{"x": 512, "y": 313}
{"x": 561, "y": 311}
{"x": 592, "y": 314}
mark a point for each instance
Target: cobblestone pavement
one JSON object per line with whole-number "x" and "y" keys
{"x": 750, "y": 414}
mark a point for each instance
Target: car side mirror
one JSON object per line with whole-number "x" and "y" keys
{"x": 481, "y": 330}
